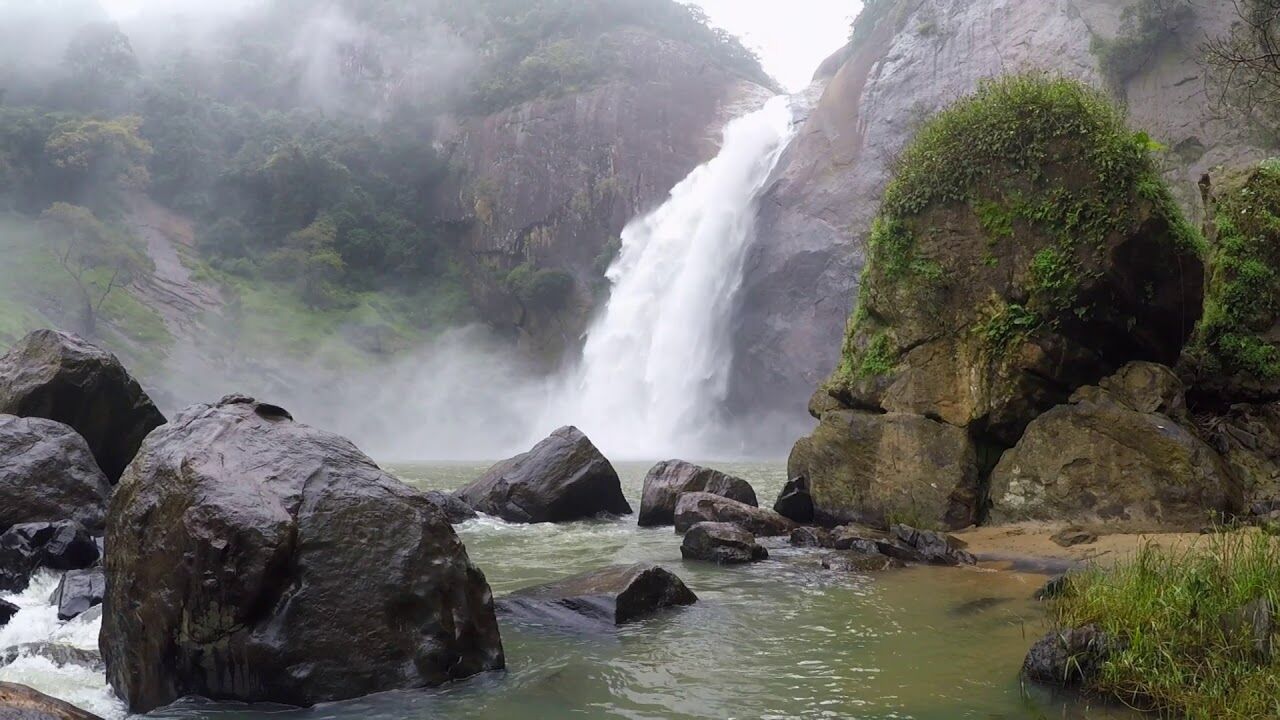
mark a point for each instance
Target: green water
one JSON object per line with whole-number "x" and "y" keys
{"x": 779, "y": 639}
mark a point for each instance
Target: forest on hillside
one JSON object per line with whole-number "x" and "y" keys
{"x": 299, "y": 137}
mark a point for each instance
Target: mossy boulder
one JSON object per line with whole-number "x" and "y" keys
{"x": 1025, "y": 247}
{"x": 1235, "y": 355}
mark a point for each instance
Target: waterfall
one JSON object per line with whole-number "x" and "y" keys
{"x": 655, "y": 366}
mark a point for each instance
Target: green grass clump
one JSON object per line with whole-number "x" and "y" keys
{"x": 1243, "y": 297}
{"x": 1180, "y": 652}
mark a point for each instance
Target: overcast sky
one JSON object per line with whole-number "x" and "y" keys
{"x": 792, "y": 36}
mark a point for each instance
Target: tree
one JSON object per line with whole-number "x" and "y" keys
{"x": 97, "y": 260}
{"x": 95, "y": 155}
{"x": 100, "y": 67}
{"x": 309, "y": 257}
{"x": 1245, "y": 64}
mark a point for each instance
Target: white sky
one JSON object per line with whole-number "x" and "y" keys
{"x": 791, "y": 36}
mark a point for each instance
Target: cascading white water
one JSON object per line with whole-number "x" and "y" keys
{"x": 654, "y": 370}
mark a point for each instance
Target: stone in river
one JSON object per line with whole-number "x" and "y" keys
{"x": 608, "y": 597}
{"x": 48, "y": 474}
{"x": 696, "y": 507}
{"x": 723, "y": 543}
{"x": 669, "y": 479}
{"x": 25, "y": 548}
{"x": 78, "y": 591}
{"x": 19, "y": 702}
{"x": 795, "y": 502}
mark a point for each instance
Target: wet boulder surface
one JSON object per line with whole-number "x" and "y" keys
{"x": 19, "y": 702}
{"x": 60, "y": 376}
{"x": 563, "y": 478}
{"x": 25, "y": 548}
{"x": 695, "y": 507}
{"x": 78, "y": 591}
{"x": 47, "y": 473}
{"x": 599, "y": 599}
{"x": 795, "y": 502}
{"x": 721, "y": 543}
{"x": 254, "y": 558}
{"x": 1070, "y": 657}
{"x": 668, "y": 480}
{"x": 901, "y": 543}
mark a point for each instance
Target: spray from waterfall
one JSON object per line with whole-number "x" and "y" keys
{"x": 655, "y": 367}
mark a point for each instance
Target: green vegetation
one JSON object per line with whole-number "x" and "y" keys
{"x": 1184, "y": 645}
{"x": 1146, "y": 25}
{"x": 872, "y": 14}
{"x": 1028, "y": 158}
{"x": 878, "y": 358}
{"x": 1242, "y": 301}
{"x": 1245, "y": 67}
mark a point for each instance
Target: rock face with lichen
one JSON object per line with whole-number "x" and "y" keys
{"x": 1025, "y": 248}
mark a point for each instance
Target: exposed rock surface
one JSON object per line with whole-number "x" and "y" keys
{"x": 47, "y": 473}
{"x": 454, "y": 509}
{"x": 1068, "y": 657}
{"x": 1108, "y": 457}
{"x": 667, "y": 480}
{"x": 863, "y": 466}
{"x": 62, "y": 545}
{"x": 902, "y": 543}
{"x": 794, "y": 501}
{"x": 7, "y": 611}
{"x": 254, "y": 558}
{"x": 78, "y": 591}
{"x": 722, "y": 543}
{"x": 56, "y": 653}
{"x": 696, "y": 507}
{"x": 19, "y": 702}
{"x": 59, "y": 376}
{"x": 562, "y": 478}
{"x": 607, "y": 597}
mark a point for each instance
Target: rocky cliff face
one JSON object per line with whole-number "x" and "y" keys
{"x": 552, "y": 182}
{"x": 910, "y": 60}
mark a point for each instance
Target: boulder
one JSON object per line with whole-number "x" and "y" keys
{"x": 256, "y": 559}
{"x": 1255, "y": 621}
{"x": 608, "y": 597}
{"x": 795, "y": 502}
{"x": 810, "y": 537}
{"x": 59, "y": 376}
{"x": 19, "y": 702}
{"x": 57, "y": 653}
{"x": 867, "y": 467}
{"x": 78, "y": 591}
{"x": 63, "y": 545}
{"x": 47, "y": 473}
{"x": 696, "y": 507}
{"x": 7, "y": 611}
{"x": 722, "y": 543}
{"x": 563, "y": 478}
{"x": 668, "y": 480}
{"x": 852, "y": 561}
{"x": 932, "y": 546}
{"x": 1068, "y": 658}
{"x": 454, "y": 509}
{"x": 1103, "y": 459}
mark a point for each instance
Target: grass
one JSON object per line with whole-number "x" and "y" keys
{"x": 1178, "y": 656}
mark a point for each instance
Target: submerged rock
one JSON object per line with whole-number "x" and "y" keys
{"x": 78, "y": 591}
{"x": 611, "y": 596}
{"x": 723, "y": 543}
{"x": 25, "y": 548}
{"x": 562, "y": 478}
{"x": 253, "y": 558}
{"x": 59, "y": 376}
{"x": 859, "y": 562}
{"x": 696, "y": 507}
{"x": 794, "y": 502}
{"x": 19, "y": 702}
{"x": 47, "y": 474}
{"x": 668, "y": 480}
{"x": 1068, "y": 658}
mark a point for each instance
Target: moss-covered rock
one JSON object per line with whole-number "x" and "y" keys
{"x": 1235, "y": 355}
{"x": 1026, "y": 247}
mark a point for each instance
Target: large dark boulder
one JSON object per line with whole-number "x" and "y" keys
{"x": 47, "y": 473}
{"x": 78, "y": 591}
{"x": 608, "y": 597}
{"x": 59, "y": 376}
{"x": 19, "y": 702}
{"x": 254, "y": 558}
{"x": 7, "y": 611}
{"x": 63, "y": 545}
{"x": 669, "y": 479}
{"x": 722, "y": 543}
{"x": 562, "y": 478}
{"x": 696, "y": 507}
{"x": 454, "y": 509}
{"x": 795, "y": 502}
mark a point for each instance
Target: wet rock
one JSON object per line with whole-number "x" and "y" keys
{"x": 811, "y": 537}
{"x": 47, "y": 474}
{"x": 795, "y": 502}
{"x": 859, "y": 562}
{"x": 454, "y": 509}
{"x": 1070, "y": 537}
{"x": 563, "y": 478}
{"x": 286, "y": 559}
{"x": 608, "y": 597}
{"x": 56, "y": 653}
{"x": 934, "y": 547}
{"x": 1067, "y": 658}
{"x": 669, "y": 479}
{"x": 64, "y": 545}
{"x": 696, "y": 507}
{"x": 19, "y": 702}
{"x": 7, "y": 611}
{"x": 78, "y": 591}
{"x": 723, "y": 543}
{"x": 59, "y": 376}
{"x": 1054, "y": 587}
{"x": 1255, "y": 621}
